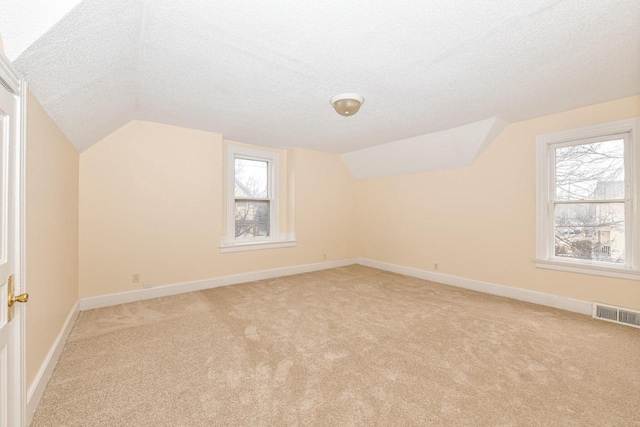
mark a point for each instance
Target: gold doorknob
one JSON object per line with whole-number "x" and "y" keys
{"x": 18, "y": 298}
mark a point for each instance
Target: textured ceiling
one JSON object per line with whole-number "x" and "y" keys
{"x": 263, "y": 72}
{"x": 22, "y": 22}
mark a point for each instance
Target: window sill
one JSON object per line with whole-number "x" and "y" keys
{"x": 255, "y": 246}
{"x": 584, "y": 268}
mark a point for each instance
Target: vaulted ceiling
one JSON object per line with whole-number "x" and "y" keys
{"x": 263, "y": 72}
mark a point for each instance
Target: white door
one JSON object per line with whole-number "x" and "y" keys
{"x": 11, "y": 303}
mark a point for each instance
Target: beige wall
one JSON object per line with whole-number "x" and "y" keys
{"x": 479, "y": 222}
{"x": 151, "y": 202}
{"x": 52, "y": 233}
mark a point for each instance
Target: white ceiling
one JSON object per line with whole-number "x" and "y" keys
{"x": 451, "y": 148}
{"x": 263, "y": 72}
{"x": 25, "y": 21}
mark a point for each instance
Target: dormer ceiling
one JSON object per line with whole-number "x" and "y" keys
{"x": 264, "y": 72}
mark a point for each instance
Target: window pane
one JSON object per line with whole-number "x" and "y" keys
{"x": 252, "y": 219}
{"x": 590, "y": 171}
{"x": 592, "y": 231}
{"x": 251, "y": 178}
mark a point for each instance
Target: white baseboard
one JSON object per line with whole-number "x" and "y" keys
{"x": 37, "y": 387}
{"x": 180, "y": 288}
{"x": 520, "y": 294}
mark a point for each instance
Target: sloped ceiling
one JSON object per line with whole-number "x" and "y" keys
{"x": 25, "y": 21}
{"x": 263, "y": 72}
{"x": 446, "y": 149}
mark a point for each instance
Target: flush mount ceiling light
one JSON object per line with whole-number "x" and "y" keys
{"x": 347, "y": 104}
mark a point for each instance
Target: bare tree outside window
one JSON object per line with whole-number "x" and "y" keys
{"x": 252, "y": 203}
{"x": 589, "y": 208}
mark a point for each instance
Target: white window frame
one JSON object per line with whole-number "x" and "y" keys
{"x": 545, "y": 191}
{"x": 229, "y": 243}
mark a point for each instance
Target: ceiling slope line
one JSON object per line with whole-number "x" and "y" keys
{"x": 484, "y": 34}
{"x": 137, "y": 67}
{"x": 38, "y": 26}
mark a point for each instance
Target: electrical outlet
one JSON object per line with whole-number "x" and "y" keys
{"x": 136, "y": 277}
{"x": 324, "y": 257}
{"x": 435, "y": 266}
{"x": 148, "y": 285}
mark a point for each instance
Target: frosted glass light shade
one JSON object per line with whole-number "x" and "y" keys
{"x": 347, "y": 104}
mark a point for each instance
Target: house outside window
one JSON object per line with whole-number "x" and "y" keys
{"x": 587, "y": 195}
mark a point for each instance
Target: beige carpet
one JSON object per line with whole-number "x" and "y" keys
{"x": 343, "y": 347}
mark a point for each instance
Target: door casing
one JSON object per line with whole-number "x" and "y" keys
{"x": 11, "y": 80}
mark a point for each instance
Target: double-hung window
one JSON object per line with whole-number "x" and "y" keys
{"x": 253, "y": 197}
{"x": 587, "y": 219}
{"x": 252, "y": 200}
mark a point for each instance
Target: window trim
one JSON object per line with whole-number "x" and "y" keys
{"x": 545, "y": 178}
{"x": 229, "y": 243}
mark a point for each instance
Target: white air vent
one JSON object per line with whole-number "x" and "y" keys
{"x": 615, "y": 314}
